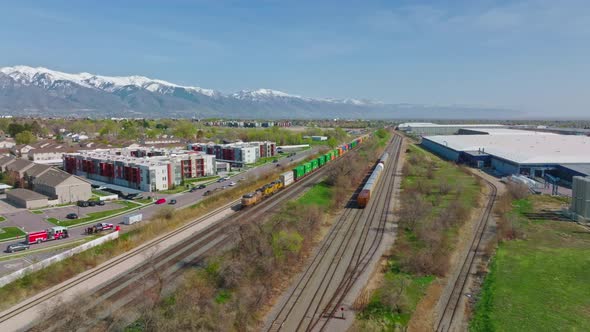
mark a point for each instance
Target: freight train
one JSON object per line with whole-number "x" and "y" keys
{"x": 365, "y": 194}
{"x": 298, "y": 173}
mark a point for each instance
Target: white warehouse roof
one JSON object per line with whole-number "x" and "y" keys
{"x": 508, "y": 131}
{"x": 536, "y": 148}
{"x": 458, "y": 125}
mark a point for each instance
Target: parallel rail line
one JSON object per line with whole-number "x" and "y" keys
{"x": 359, "y": 261}
{"x": 446, "y": 320}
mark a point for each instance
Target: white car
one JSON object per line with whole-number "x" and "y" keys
{"x": 231, "y": 184}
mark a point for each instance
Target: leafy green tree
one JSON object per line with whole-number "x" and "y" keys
{"x": 15, "y": 128}
{"x": 25, "y": 137}
{"x": 185, "y": 130}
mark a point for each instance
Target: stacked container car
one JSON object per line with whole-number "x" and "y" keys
{"x": 296, "y": 174}
{"x": 365, "y": 194}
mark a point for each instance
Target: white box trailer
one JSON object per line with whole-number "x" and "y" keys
{"x": 130, "y": 220}
{"x": 286, "y": 178}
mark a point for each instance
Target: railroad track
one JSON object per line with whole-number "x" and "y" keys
{"x": 446, "y": 320}
{"x": 213, "y": 232}
{"x": 351, "y": 229}
{"x": 366, "y": 254}
{"x": 102, "y": 268}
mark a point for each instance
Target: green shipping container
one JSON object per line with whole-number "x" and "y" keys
{"x": 321, "y": 161}
{"x": 314, "y": 164}
{"x": 307, "y": 167}
{"x": 298, "y": 172}
{"x": 327, "y": 158}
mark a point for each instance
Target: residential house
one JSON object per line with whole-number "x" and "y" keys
{"x": 16, "y": 170}
{"x": 5, "y": 161}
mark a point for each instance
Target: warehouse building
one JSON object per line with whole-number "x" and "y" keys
{"x": 429, "y": 129}
{"x": 27, "y": 199}
{"x": 143, "y": 169}
{"x": 239, "y": 153}
{"x": 534, "y": 154}
{"x": 62, "y": 187}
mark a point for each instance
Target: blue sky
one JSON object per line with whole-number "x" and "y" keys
{"x": 531, "y": 55}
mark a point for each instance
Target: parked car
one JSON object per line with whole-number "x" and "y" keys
{"x": 103, "y": 226}
{"x": 82, "y": 203}
{"x": 275, "y": 161}
{"x": 231, "y": 184}
{"x": 278, "y": 165}
{"x": 225, "y": 178}
{"x": 202, "y": 186}
{"x": 72, "y": 216}
{"x": 207, "y": 193}
{"x": 91, "y": 203}
{"x": 221, "y": 180}
{"x": 100, "y": 203}
{"x": 193, "y": 189}
{"x": 161, "y": 201}
{"x": 17, "y": 247}
{"x": 172, "y": 202}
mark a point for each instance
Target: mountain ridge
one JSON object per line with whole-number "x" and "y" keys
{"x": 39, "y": 91}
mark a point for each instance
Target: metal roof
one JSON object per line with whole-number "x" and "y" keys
{"x": 25, "y": 194}
{"x": 580, "y": 168}
{"x": 537, "y": 148}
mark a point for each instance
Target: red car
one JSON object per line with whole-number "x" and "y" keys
{"x": 161, "y": 201}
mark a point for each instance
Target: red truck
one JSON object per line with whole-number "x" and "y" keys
{"x": 53, "y": 233}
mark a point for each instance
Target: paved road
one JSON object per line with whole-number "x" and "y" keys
{"x": 183, "y": 200}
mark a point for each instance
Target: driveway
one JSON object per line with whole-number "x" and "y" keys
{"x": 6, "y": 207}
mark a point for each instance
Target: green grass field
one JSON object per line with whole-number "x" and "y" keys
{"x": 379, "y": 316}
{"x": 320, "y": 194}
{"x": 540, "y": 283}
{"x": 94, "y": 215}
{"x": 10, "y": 232}
{"x": 36, "y": 212}
{"x": 445, "y": 172}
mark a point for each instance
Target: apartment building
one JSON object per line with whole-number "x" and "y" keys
{"x": 237, "y": 153}
{"x": 145, "y": 169}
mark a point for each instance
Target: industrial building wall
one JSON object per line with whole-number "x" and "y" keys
{"x": 504, "y": 167}
{"x": 442, "y": 151}
{"x": 581, "y": 196}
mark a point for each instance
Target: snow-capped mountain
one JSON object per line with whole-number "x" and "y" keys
{"x": 26, "y": 90}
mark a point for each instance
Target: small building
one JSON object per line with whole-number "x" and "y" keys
{"x": 25, "y": 198}
{"x": 223, "y": 166}
{"x": 62, "y": 186}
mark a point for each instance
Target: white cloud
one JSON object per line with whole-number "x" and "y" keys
{"x": 563, "y": 17}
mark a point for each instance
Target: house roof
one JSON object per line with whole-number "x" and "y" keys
{"x": 19, "y": 165}
{"x": 54, "y": 177}
{"x": 25, "y": 194}
{"x": 37, "y": 170}
{"x": 6, "y": 160}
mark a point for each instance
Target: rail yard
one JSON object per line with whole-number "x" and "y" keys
{"x": 345, "y": 253}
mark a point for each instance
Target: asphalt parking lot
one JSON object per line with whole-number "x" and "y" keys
{"x": 62, "y": 212}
